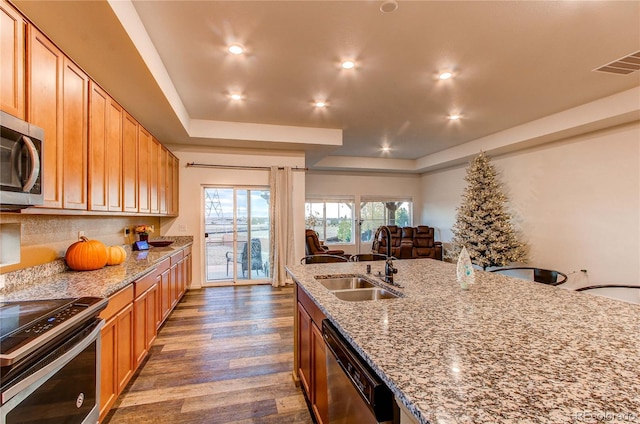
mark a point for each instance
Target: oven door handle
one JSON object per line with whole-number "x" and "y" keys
{"x": 35, "y": 164}
{"x": 25, "y": 387}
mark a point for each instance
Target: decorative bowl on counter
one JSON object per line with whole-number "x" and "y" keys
{"x": 160, "y": 243}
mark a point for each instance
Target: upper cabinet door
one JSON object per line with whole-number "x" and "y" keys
{"x": 130, "y": 162}
{"x": 154, "y": 171}
{"x": 97, "y": 168}
{"x": 105, "y": 151}
{"x": 74, "y": 131}
{"x": 12, "y": 61}
{"x": 58, "y": 103}
{"x": 114, "y": 155}
{"x": 46, "y": 63}
{"x": 144, "y": 148}
{"x": 163, "y": 164}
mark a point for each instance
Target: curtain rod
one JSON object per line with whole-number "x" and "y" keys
{"x": 268, "y": 168}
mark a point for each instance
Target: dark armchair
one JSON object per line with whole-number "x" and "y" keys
{"x": 243, "y": 257}
{"x": 313, "y": 246}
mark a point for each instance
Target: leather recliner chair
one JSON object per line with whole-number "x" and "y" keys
{"x": 313, "y": 246}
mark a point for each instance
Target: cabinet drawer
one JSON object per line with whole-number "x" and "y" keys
{"x": 143, "y": 284}
{"x": 312, "y": 309}
{"x": 117, "y": 301}
{"x": 163, "y": 266}
{"x": 177, "y": 257}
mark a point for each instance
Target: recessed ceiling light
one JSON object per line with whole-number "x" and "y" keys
{"x": 445, "y": 75}
{"x": 454, "y": 117}
{"x": 235, "y": 49}
{"x": 386, "y": 149}
{"x": 320, "y": 104}
{"x": 236, "y": 96}
{"x": 388, "y": 6}
{"x": 348, "y": 64}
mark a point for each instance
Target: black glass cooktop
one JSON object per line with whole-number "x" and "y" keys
{"x": 25, "y": 326}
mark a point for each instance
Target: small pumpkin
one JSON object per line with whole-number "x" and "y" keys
{"x": 86, "y": 255}
{"x": 116, "y": 255}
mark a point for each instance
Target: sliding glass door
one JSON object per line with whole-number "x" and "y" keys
{"x": 236, "y": 221}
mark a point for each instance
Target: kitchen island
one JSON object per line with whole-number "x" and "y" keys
{"x": 504, "y": 351}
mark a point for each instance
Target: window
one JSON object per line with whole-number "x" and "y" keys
{"x": 332, "y": 219}
{"x": 376, "y": 212}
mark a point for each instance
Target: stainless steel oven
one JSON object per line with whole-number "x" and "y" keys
{"x": 356, "y": 393}
{"x": 20, "y": 163}
{"x": 50, "y": 357}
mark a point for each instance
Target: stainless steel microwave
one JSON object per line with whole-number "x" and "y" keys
{"x": 21, "y": 149}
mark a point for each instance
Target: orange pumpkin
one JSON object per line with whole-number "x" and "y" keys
{"x": 86, "y": 255}
{"x": 116, "y": 255}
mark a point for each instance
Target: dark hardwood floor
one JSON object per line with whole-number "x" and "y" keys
{"x": 225, "y": 355}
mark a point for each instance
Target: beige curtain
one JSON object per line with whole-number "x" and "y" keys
{"x": 281, "y": 228}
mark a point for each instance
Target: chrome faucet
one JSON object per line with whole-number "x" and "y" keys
{"x": 389, "y": 269}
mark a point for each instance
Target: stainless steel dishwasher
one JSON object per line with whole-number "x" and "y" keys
{"x": 356, "y": 394}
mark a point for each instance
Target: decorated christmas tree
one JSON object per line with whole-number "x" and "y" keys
{"x": 482, "y": 224}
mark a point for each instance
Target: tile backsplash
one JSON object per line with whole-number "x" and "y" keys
{"x": 45, "y": 238}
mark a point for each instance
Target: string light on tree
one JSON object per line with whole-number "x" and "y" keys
{"x": 482, "y": 224}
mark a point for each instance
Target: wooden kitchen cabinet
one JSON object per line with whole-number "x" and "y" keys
{"x": 176, "y": 277}
{"x": 163, "y": 158}
{"x": 310, "y": 355}
{"x": 175, "y": 198}
{"x": 164, "y": 291}
{"x": 108, "y": 355}
{"x": 105, "y": 151}
{"x": 12, "y": 60}
{"x": 58, "y": 103}
{"x": 133, "y": 317}
{"x": 129, "y": 163}
{"x": 124, "y": 331}
{"x": 304, "y": 348}
{"x": 320, "y": 398}
{"x": 46, "y": 63}
{"x": 144, "y": 155}
{"x": 154, "y": 176}
{"x": 75, "y": 101}
{"x": 116, "y": 344}
{"x": 172, "y": 184}
{"x": 144, "y": 312}
{"x": 188, "y": 265}
{"x": 96, "y": 156}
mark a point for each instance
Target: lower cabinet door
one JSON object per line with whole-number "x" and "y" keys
{"x": 304, "y": 349}
{"x": 108, "y": 357}
{"x": 320, "y": 399}
{"x": 124, "y": 335}
{"x": 140, "y": 328}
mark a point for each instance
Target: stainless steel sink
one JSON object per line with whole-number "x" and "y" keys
{"x": 355, "y": 288}
{"x": 364, "y": 294}
{"x": 345, "y": 283}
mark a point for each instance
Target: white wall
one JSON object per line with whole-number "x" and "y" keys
{"x": 193, "y": 179}
{"x": 359, "y": 184}
{"x": 576, "y": 202}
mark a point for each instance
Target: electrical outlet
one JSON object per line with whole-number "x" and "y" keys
{"x": 127, "y": 231}
{"x": 80, "y": 234}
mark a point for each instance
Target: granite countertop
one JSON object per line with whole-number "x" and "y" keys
{"x": 505, "y": 351}
{"x": 55, "y": 281}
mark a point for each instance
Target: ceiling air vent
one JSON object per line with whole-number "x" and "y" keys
{"x": 624, "y": 65}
